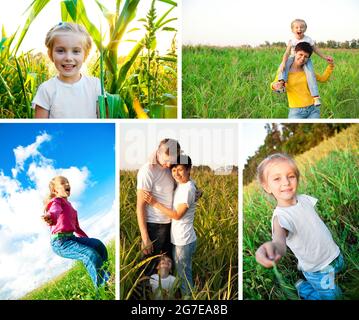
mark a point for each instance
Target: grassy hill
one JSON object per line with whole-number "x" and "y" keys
{"x": 76, "y": 284}
{"x": 329, "y": 172}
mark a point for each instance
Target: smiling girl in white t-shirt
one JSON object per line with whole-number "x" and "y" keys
{"x": 70, "y": 94}
{"x": 296, "y": 224}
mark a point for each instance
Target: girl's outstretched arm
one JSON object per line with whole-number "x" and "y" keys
{"x": 173, "y": 214}
{"x": 329, "y": 59}
{"x": 271, "y": 252}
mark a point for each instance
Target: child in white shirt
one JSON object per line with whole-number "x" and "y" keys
{"x": 70, "y": 94}
{"x": 296, "y": 224}
{"x": 162, "y": 282}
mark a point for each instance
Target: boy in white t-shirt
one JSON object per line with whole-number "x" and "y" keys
{"x": 183, "y": 235}
{"x": 70, "y": 94}
{"x": 163, "y": 284}
{"x": 296, "y": 224}
{"x": 299, "y": 27}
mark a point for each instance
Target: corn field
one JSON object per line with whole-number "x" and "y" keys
{"x": 142, "y": 84}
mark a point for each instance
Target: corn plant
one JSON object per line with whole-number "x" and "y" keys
{"x": 117, "y": 101}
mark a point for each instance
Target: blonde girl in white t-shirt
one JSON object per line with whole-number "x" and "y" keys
{"x": 296, "y": 224}
{"x": 183, "y": 235}
{"x": 70, "y": 94}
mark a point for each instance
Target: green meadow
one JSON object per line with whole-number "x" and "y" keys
{"x": 76, "y": 284}
{"x": 235, "y": 83}
{"x": 329, "y": 173}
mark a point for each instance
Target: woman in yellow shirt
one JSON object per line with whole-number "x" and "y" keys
{"x": 300, "y": 101}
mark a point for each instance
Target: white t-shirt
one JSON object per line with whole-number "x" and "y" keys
{"x": 182, "y": 230}
{"x": 293, "y": 42}
{"x": 308, "y": 237}
{"x": 158, "y": 181}
{"x": 166, "y": 284}
{"x": 65, "y": 100}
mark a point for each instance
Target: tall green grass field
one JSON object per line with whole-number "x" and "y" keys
{"x": 235, "y": 83}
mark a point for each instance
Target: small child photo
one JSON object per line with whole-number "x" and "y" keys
{"x": 178, "y": 212}
{"x": 57, "y": 199}
{"x": 300, "y": 218}
{"x": 259, "y": 59}
{"x": 88, "y": 59}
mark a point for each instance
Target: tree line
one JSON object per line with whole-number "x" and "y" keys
{"x": 348, "y": 44}
{"x": 290, "y": 138}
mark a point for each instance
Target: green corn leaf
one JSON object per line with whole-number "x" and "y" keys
{"x": 35, "y": 8}
{"x": 157, "y": 111}
{"x": 116, "y": 106}
{"x": 169, "y": 2}
{"x": 130, "y": 59}
{"x": 102, "y": 107}
{"x": 2, "y": 80}
{"x": 170, "y": 112}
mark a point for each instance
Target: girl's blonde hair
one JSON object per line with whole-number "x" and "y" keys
{"x": 52, "y": 193}
{"x": 271, "y": 159}
{"x": 64, "y": 27}
{"x": 298, "y": 20}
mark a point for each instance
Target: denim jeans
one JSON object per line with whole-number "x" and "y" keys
{"x": 321, "y": 285}
{"x": 92, "y": 252}
{"x": 160, "y": 235}
{"x": 311, "y": 112}
{"x": 183, "y": 262}
{"x": 309, "y": 73}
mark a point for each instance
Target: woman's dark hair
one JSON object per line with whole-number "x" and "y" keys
{"x": 183, "y": 160}
{"x": 304, "y": 46}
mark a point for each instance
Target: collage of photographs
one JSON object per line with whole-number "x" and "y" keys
{"x": 179, "y": 150}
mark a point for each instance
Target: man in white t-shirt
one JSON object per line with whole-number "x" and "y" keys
{"x": 155, "y": 177}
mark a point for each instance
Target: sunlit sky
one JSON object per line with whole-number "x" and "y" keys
{"x": 237, "y": 22}
{"x": 12, "y": 15}
{"x": 212, "y": 144}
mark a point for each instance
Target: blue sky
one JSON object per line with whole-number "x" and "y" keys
{"x": 30, "y": 155}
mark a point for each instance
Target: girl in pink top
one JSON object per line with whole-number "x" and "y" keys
{"x": 63, "y": 220}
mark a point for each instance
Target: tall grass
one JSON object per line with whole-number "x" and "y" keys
{"x": 235, "y": 83}
{"x": 76, "y": 284}
{"x": 215, "y": 263}
{"x": 333, "y": 178}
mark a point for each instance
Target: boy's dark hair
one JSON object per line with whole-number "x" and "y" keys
{"x": 184, "y": 160}
{"x": 304, "y": 46}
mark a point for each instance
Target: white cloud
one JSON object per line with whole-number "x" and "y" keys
{"x": 23, "y": 153}
{"x": 26, "y": 257}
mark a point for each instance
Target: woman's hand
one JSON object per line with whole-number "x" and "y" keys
{"x": 47, "y": 219}
{"x": 268, "y": 254}
{"x": 147, "y": 247}
{"x": 149, "y": 199}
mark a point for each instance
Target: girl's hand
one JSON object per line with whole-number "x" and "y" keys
{"x": 267, "y": 254}
{"x": 47, "y": 219}
{"x": 329, "y": 59}
{"x": 149, "y": 199}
